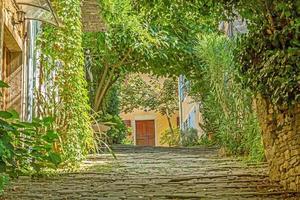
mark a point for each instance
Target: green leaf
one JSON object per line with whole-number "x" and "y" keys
{"x": 5, "y": 115}
{"x": 50, "y": 136}
{"x": 55, "y": 158}
{"x": 48, "y": 120}
{"x": 6, "y": 126}
{"x": 3, "y": 84}
{"x": 15, "y": 114}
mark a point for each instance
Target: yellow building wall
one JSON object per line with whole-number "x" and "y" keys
{"x": 188, "y": 105}
{"x": 161, "y": 122}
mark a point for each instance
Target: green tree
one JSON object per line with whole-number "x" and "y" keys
{"x": 149, "y": 37}
{"x": 156, "y": 94}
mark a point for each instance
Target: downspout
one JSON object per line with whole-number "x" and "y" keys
{"x": 24, "y": 75}
{"x": 180, "y": 104}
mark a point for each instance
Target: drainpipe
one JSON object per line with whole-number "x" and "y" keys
{"x": 180, "y": 104}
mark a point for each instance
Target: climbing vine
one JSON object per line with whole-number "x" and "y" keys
{"x": 63, "y": 88}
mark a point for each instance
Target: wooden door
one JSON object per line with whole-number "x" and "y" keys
{"x": 145, "y": 132}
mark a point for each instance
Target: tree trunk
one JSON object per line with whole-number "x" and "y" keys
{"x": 104, "y": 89}
{"x": 281, "y": 138}
{"x": 100, "y": 86}
{"x": 169, "y": 122}
{"x": 170, "y": 125}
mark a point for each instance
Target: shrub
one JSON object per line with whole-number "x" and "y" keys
{"x": 189, "y": 137}
{"x": 226, "y": 105}
{"x": 171, "y": 138}
{"x": 118, "y": 130}
{"x": 26, "y": 147}
{"x": 206, "y": 141}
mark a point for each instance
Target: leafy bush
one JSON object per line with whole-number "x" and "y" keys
{"x": 189, "y": 137}
{"x": 179, "y": 138}
{"x": 118, "y": 130}
{"x": 64, "y": 95}
{"x": 206, "y": 141}
{"x": 109, "y": 115}
{"x": 129, "y": 139}
{"x": 25, "y": 147}
{"x": 171, "y": 138}
{"x": 226, "y": 105}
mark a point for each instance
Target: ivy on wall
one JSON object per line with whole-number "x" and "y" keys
{"x": 65, "y": 95}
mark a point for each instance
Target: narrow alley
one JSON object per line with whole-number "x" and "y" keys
{"x": 155, "y": 173}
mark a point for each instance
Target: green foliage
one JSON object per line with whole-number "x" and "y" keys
{"x": 143, "y": 37}
{"x": 112, "y": 101}
{"x": 127, "y": 141}
{"x": 110, "y": 116}
{"x": 103, "y": 69}
{"x": 269, "y": 53}
{"x": 65, "y": 97}
{"x": 26, "y": 147}
{"x": 149, "y": 37}
{"x": 226, "y": 105}
{"x": 156, "y": 94}
{"x": 4, "y": 179}
{"x": 180, "y": 138}
{"x": 189, "y": 137}
{"x": 153, "y": 94}
{"x": 204, "y": 140}
{"x": 118, "y": 129}
{"x": 171, "y": 138}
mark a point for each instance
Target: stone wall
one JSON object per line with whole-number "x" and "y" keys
{"x": 91, "y": 16}
{"x": 281, "y": 138}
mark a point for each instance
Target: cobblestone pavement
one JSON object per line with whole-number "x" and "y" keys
{"x": 154, "y": 173}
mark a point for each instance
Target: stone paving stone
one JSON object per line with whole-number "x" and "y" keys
{"x": 154, "y": 173}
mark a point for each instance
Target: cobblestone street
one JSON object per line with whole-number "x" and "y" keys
{"x": 154, "y": 173}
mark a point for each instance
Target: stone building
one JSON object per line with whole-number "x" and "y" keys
{"x": 16, "y": 44}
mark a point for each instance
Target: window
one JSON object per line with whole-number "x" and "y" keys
{"x": 184, "y": 86}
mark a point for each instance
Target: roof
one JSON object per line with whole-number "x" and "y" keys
{"x": 38, "y": 10}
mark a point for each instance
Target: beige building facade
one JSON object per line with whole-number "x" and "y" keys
{"x": 18, "y": 27}
{"x": 147, "y": 126}
{"x": 12, "y": 32}
{"x": 189, "y": 109}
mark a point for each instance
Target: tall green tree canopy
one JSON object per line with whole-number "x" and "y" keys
{"x": 269, "y": 53}
{"x": 150, "y": 37}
